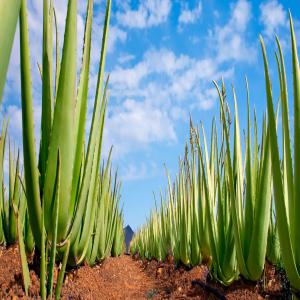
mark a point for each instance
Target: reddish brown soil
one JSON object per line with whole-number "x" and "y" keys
{"x": 196, "y": 283}
{"x": 116, "y": 278}
{"x": 127, "y": 278}
{"x": 11, "y": 276}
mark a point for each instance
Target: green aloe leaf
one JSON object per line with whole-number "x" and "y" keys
{"x": 8, "y": 23}
{"x": 30, "y": 165}
{"x": 281, "y": 210}
{"x": 62, "y": 136}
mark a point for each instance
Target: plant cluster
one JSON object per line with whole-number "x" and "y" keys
{"x": 233, "y": 205}
{"x": 66, "y": 204}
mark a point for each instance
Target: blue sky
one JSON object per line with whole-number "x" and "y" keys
{"x": 162, "y": 58}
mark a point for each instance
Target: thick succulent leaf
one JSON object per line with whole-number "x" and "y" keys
{"x": 288, "y": 255}
{"x": 249, "y": 210}
{"x": 259, "y": 237}
{"x": 23, "y": 258}
{"x": 234, "y": 206}
{"x": 62, "y": 136}
{"x": 47, "y": 97}
{"x": 296, "y": 89}
{"x": 82, "y": 100}
{"x": 30, "y": 162}
{"x": 54, "y": 237}
{"x": 8, "y": 23}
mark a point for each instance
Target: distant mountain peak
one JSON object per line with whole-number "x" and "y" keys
{"x": 128, "y": 228}
{"x": 128, "y": 236}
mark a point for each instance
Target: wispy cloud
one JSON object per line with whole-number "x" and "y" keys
{"x": 230, "y": 40}
{"x": 125, "y": 58}
{"x": 148, "y": 13}
{"x": 115, "y": 35}
{"x": 157, "y": 92}
{"x": 139, "y": 171}
{"x": 189, "y": 16}
{"x": 134, "y": 125}
{"x": 273, "y": 16}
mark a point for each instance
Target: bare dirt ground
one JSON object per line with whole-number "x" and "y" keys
{"x": 197, "y": 283}
{"x": 128, "y": 278}
{"x": 115, "y": 278}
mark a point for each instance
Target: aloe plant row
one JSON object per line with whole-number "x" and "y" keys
{"x": 286, "y": 165}
{"x": 196, "y": 220}
{"x": 68, "y": 205}
{"x": 63, "y": 120}
{"x": 236, "y": 203}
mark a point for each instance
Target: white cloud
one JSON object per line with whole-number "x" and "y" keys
{"x": 188, "y": 16}
{"x": 149, "y": 13}
{"x": 272, "y": 16}
{"x": 139, "y": 171}
{"x": 133, "y": 125}
{"x": 241, "y": 15}
{"x": 154, "y": 61}
{"x": 178, "y": 113}
{"x": 230, "y": 40}
{"x": 125, "y": 58}
{"x": 194, "y": 39}
{"x": 208, "y": 98}
{"x": 130, "y": 77}
{"x": 154, "y": 94}
{"x": 115, "y": 35}
{"x": 199, "y": 71}
{"x": 162, "y": 77}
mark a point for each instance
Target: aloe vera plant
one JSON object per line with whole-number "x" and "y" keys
{"x": 250, "y": 216}
{"x": 72, "y": 204}
{"x": 62, "y": 129}
{"x": 287, "y": 171}
{"x": 235, "y": 196}
{"x": 216, "y": 200}
{"x": 173, "y": 228}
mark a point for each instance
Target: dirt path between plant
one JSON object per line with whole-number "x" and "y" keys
{"x": 116, "y": 278}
